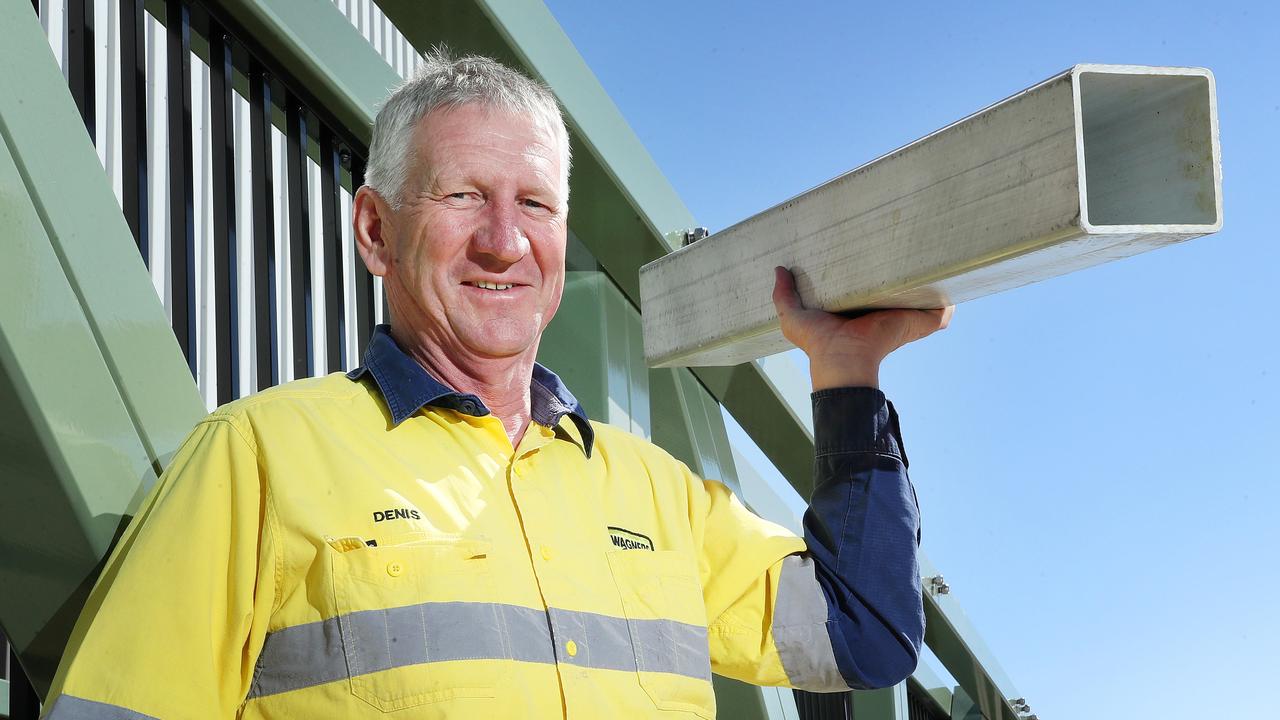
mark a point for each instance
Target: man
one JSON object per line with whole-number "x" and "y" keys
{"x": 443, "y": 533}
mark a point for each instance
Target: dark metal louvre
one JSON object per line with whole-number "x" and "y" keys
{"x": 299, "y": 241}
{"x": 133, "y": 117}
{"x": 335, "y": 321}
{"x": 221, "y": 96}
{"x": 264, "y": 248}
{"x": 239, "y": 65}
{"x": 181, "y": 203}
{"x": 824, "y": 706}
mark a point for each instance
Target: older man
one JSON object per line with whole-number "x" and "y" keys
{"x": 443, "y": 532}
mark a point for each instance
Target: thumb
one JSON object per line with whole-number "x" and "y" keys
{"x": 785, "y": 298}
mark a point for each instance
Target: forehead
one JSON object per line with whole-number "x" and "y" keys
{"x": 479, "y": 137}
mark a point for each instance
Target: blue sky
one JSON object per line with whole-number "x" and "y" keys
{"x": 1096, "y": 455}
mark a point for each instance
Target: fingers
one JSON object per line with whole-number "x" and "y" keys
{"x": 785, "y": 298}
{"x": 926, "y": 322}
{"x": 947, "y": 312}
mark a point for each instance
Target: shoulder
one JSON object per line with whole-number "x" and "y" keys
{"x": 329, "y": 399}
{"x": 618, "y": 446}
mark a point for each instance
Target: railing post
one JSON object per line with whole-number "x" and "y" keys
{"x": 24, "y": 704}
{"x": 221, "y": 98}
{"x": 299, "y": 240}
{"x": 181, "y": 210}
{"x": 133, "y": 115}
{"x": 335, "y": 323}
{"x": 264, "y": 246}
{"x": 80, "y": 60}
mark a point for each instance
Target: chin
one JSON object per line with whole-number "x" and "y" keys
{"x": 505, "y": 340}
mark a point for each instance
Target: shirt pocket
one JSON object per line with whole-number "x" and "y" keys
{"x": 666, "y": 617}
{"x": 418, "y": 623}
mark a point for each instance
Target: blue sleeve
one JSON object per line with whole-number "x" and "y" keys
{"x": 862, "y": 529}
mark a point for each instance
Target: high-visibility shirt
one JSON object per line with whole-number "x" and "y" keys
{"x": 362, "y": 545}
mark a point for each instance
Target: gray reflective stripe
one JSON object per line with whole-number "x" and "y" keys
{"x": 800, "y": 629}
{"x": 613, "y": 643}
{"x": 70, "y": 707}
{"x": 305, "y": 655}
{"x": 298, "y": 657}
{"x": 671, "y": 647}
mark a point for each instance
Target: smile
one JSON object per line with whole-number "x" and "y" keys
{"x": 491, "y": 286}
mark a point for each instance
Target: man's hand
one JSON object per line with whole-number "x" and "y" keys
{"x": 845, "y": 352}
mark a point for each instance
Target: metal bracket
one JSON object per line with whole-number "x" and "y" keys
{"x": 693, "y": 235}
{"x": 938, "y": 586}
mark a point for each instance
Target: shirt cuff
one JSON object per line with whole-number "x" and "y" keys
{"x": 855, "y": 420}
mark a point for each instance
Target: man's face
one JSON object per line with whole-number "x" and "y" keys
{"x": 478, "y": 246}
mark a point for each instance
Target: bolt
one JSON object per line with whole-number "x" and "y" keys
{"x": 693, "y": 235}
{"x": 939, "y": 585}
{"x": 344, "y": 156}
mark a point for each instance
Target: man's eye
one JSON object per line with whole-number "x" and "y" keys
{"x": 459, "y": 195}
{"x": 533, "y": 204}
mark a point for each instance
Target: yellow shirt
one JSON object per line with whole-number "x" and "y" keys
{"x": 306, "y": 556}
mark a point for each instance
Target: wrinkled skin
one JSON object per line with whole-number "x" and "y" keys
{"x": 485, "y": 201}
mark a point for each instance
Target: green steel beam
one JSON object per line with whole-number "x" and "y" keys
{"x": 962, "y": 652}
{"x": 687, "y": 424}
{"x": 738, "y": 700}
{"x": 94, "y": 392}
{"x": 760, "y": 408}
{"x": 884, "y": 704}
{"x": 931, "y": 688}
{"x": 612, "y": 383}
{"x": 964, "y": 708}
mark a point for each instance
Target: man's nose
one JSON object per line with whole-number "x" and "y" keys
{"x": 500, "y": 236}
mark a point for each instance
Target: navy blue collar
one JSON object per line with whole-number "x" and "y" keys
{"x": 407, "y": 387}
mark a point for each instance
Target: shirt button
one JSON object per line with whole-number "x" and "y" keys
{"x": 546, "y": 552}
{"x": 395, "y": 569}
{"x": 571, "y": 647}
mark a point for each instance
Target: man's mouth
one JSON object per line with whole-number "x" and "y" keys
{"x": 483, "y": 285}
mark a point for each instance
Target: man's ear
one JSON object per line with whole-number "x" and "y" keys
{"x": 371, "y": 223}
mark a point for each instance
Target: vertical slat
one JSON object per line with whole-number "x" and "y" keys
{"x": 335, "y": 326}
{"x": 133, "y": 114}
{"x": 24, "y": 704}
{"x": 299, "y": 241}
{"x": 222, "y": 142}
{"x": 823, "y": 706}
{"x": 264, "y": 266}
{"x": 80, "y": 64}
{"x": 181, "y": 210}
{"x": 364, "y": 281}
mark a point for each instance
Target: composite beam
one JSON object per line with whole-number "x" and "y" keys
{"x": 1095, "y": 164}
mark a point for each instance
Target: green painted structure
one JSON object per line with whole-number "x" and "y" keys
{"x": 95, "y": 394}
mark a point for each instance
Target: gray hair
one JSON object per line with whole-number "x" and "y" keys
{"x": 443, "y": 82}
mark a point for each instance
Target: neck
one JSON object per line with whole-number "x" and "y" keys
{"x": 501, "y": 383}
